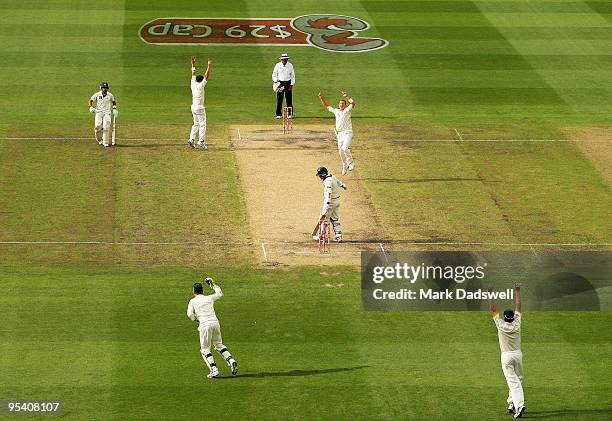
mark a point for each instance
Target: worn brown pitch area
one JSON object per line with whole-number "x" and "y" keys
{"x": 284, "y": 197}
{"x": 596, "y": 145}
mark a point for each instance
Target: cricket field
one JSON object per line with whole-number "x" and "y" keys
{"x": 479, "y": 126}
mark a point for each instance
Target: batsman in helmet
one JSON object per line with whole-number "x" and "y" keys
{"x": 104, "y": 102}
{"x": 332, "y": 187}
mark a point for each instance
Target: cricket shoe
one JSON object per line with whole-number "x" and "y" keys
{"x": 234, "y": 368}
{"x": 343, "y": 169}
{"x": 100, "y": 142}
{"x": 213, "y": 373}
{"x": 106, "y": 145}
{"x": 202, "y": 146}
{"x": 511, "y": 408}
{"x": 519, "y": 412}
{"x": 191, "y": 143}
{"x": 278, "y": 117}
{"x": 315, "y": 237}
{"x": 351, "y": 166}
{"x": 338, "y": 239}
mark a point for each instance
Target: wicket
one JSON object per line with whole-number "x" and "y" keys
{"x": 287, "y": 119}
{"x": 324, "y": 237}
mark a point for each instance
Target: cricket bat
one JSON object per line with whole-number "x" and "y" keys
{"x": 315, "y": 231}
{"x": 114, "y": 130}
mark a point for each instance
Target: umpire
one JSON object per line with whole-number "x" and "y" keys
{"x": 284, "y": 75}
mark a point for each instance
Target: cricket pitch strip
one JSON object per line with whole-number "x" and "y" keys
{"x": 284, "y": 197}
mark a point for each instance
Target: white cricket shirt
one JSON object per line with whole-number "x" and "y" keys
{"x": 331, "y": 191}
{"x": 104, "y": 104}
{"x": 509, "y": 334}
{"x": 197, "y": 92}
{"x": 343, "y": 118}
{"x": 201, "y": 307}
{"x": 283, "y": 72}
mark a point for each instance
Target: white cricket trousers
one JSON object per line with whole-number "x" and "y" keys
{"x": 512, "y": 366}
{"x": 333, "y": 216}
{"x": 102, "y": 124}
{"x": 210, "y": 333}
{"x": 199, "y": 124}
{"x": 345, "y": 138}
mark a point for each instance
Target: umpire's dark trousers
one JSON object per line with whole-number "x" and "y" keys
{"x": 287, "y": 92}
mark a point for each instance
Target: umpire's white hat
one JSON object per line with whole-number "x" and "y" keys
{"x": 284, "y": 56}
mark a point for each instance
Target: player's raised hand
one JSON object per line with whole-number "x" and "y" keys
{"x": 344, "y": 94}
{"x": 490, "y": 289}
{"x": 210, "y": 282}
{"x": 193, "y": 61}
{"x": 320, "y": 94}
{"x": 517, "y": 285}
{"x": 209, "y": 62}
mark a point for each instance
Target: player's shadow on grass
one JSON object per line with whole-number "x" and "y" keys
{"x": 152, "y": 145}
{"x": 574, "y": 413}
{"x": 298, "y": 373}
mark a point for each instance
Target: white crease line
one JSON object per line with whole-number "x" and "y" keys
{"x": 289, "y": 243}
{"x": 90, "y": 138}
{"x": 263, "y": 247}
{"x": 458, "y": 134}
{"x": 503, "y": 140}
{"x": 391, "y": 140}
{"x": 384, "y": 252}
{"x": 239, "y": 137}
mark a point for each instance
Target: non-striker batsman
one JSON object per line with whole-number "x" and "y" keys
{"x": 105, "y": 102}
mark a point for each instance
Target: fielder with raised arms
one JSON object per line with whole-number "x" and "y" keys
{"x": 201, "y": 308}
{"x": 509, "y": 334}
{"x": 104, "y": 101}
{"x": 331, "y": 202}
{"x": 197, "y": 105}
{"x": 344, "y": 129}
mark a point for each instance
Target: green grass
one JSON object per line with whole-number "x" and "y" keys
{"x": 102, "y": 326}
{"x": 116, "y": 343}
{"x": 542, "y": 192}
{"x": 447, "y": 62}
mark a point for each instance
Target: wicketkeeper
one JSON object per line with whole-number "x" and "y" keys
{"x": 331, "y": 201}
{"x": 344, "y": 129}
{"x": 197, "y": 105}
{"x": 509, "y": 334}
{"x": 201, "y": 308}
{"x": 104, "y": 101}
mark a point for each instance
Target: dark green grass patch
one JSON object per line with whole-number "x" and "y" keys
{"x": 117, "y": 344}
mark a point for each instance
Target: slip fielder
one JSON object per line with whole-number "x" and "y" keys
{"x": 509, "y": 334}
{"x": 331, "y": 201}
{"x": 197, "y": 105}
{"x": 344, "y": 129}
{"x": 201, "y": 308}
{"x": 104, "y": 101}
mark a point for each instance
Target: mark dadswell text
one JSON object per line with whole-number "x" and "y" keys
{"x": 430, "y": 294}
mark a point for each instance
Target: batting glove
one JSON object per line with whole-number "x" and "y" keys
{"x": 92, "y": 110}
